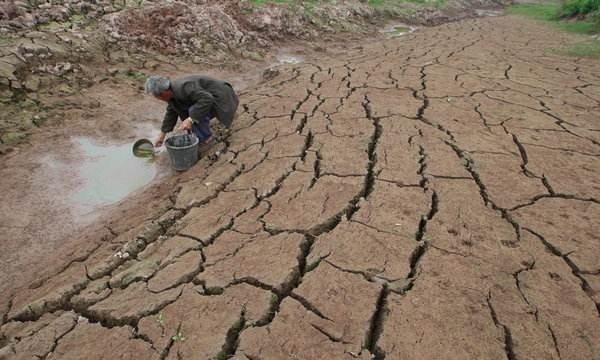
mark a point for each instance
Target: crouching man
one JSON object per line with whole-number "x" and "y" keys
{"x": 195, "y": 99}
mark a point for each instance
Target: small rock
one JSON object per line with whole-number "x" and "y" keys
{"x": 13, "y": 137}
{"x": 65, "y": 89}
{"x": 7, "y": 71}
{"x": 32, "y": 84}
{"x": 270, "y": 74}
{"x": 38, "y": 120}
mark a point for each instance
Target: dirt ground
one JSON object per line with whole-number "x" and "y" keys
{"x": 430, "y": 196}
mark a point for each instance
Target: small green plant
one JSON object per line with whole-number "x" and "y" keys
{"x": 221, "y": 356}
{"x": 135, "y": 75}
{"x": 160, "y": 319}
{"x": 179, "y": 337}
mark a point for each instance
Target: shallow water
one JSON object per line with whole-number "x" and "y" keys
{"x": 489, "y": 12}
{"x": 289, "y": 59}
{"x": 397, "y": 30}
{"x": 108, "y": 173}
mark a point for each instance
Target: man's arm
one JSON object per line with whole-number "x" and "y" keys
{"x": 168, "y": 124}
{"x": 169, "y": 120}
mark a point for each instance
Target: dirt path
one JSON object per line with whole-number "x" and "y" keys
{"x": 433, "y": 196}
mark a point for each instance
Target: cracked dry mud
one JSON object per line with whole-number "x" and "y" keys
{"x": 431, "y": 197}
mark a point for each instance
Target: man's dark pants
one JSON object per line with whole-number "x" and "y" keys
{"x": 202, "y": 128}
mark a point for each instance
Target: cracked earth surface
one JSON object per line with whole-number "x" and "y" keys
{"x": 434, "y": 196}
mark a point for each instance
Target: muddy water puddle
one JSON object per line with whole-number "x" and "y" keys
{"x": 108, "y": 173}
{"x": 397, "y": 30}
{"x": 289, "y": 59}
{"x": 53, "y": 189}
{"x": 487, "y": 12}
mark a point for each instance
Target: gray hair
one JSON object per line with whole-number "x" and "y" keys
{"x": 156, "y": 85}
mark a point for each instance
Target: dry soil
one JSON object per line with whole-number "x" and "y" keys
{"x": 434, "y": 196}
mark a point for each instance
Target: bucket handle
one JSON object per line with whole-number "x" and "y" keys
{"x": 178, "y": 132}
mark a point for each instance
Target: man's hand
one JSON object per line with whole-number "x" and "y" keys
{"x": 159, "y": 140}
{"x": 186, "y": 124}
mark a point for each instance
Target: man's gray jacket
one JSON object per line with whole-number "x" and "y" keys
{"x": 197, "y": 97}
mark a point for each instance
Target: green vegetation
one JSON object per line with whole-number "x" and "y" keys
{"x": 136, "y": 76}
{"x": 547, "y": 12}
{"x": 555, "y": 11}
{"x": 555, "y": 14}
{"x": 160, "y": 319}
{"x": 178, "y": 337}
{"x": 579, "y": 7}
{"x": 400, "y": 30}
{"x": 590, "y": 49}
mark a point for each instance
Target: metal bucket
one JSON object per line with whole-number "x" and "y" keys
{"x": 143, "y": 148}
{"x": 183, "y": 151}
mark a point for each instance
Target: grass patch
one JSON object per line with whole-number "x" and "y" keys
{"x": 579, "y": 7}
{"x": 579, "y": 27}
{"x": 589, "y": 49}
{"x": 552, "y": 13}
{"x": 546, "y": 12}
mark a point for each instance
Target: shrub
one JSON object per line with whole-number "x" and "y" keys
{"x": 579, "y": 7}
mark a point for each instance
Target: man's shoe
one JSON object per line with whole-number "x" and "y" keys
{"x": 204, "y": 147}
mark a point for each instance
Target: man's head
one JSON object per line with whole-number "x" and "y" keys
{"x": 159, "y": 87}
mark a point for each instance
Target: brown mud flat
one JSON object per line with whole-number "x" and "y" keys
{"x": 52, "y": 52}
{"x": 431, "y": 196}
{"x": 43, "y": 228}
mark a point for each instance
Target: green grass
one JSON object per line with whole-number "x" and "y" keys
{"x": 589, "y": 49}
{"x": 547, "y": 12}
{"x": 580, "y": 27}
{"x": 552, "y": 13}
{"x": 579, "y": 7}
{"x": 555, "y": 11}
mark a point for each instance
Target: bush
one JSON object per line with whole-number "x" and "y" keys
{"x": 595, "y": 18}
{"x": 579, "y": 7}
